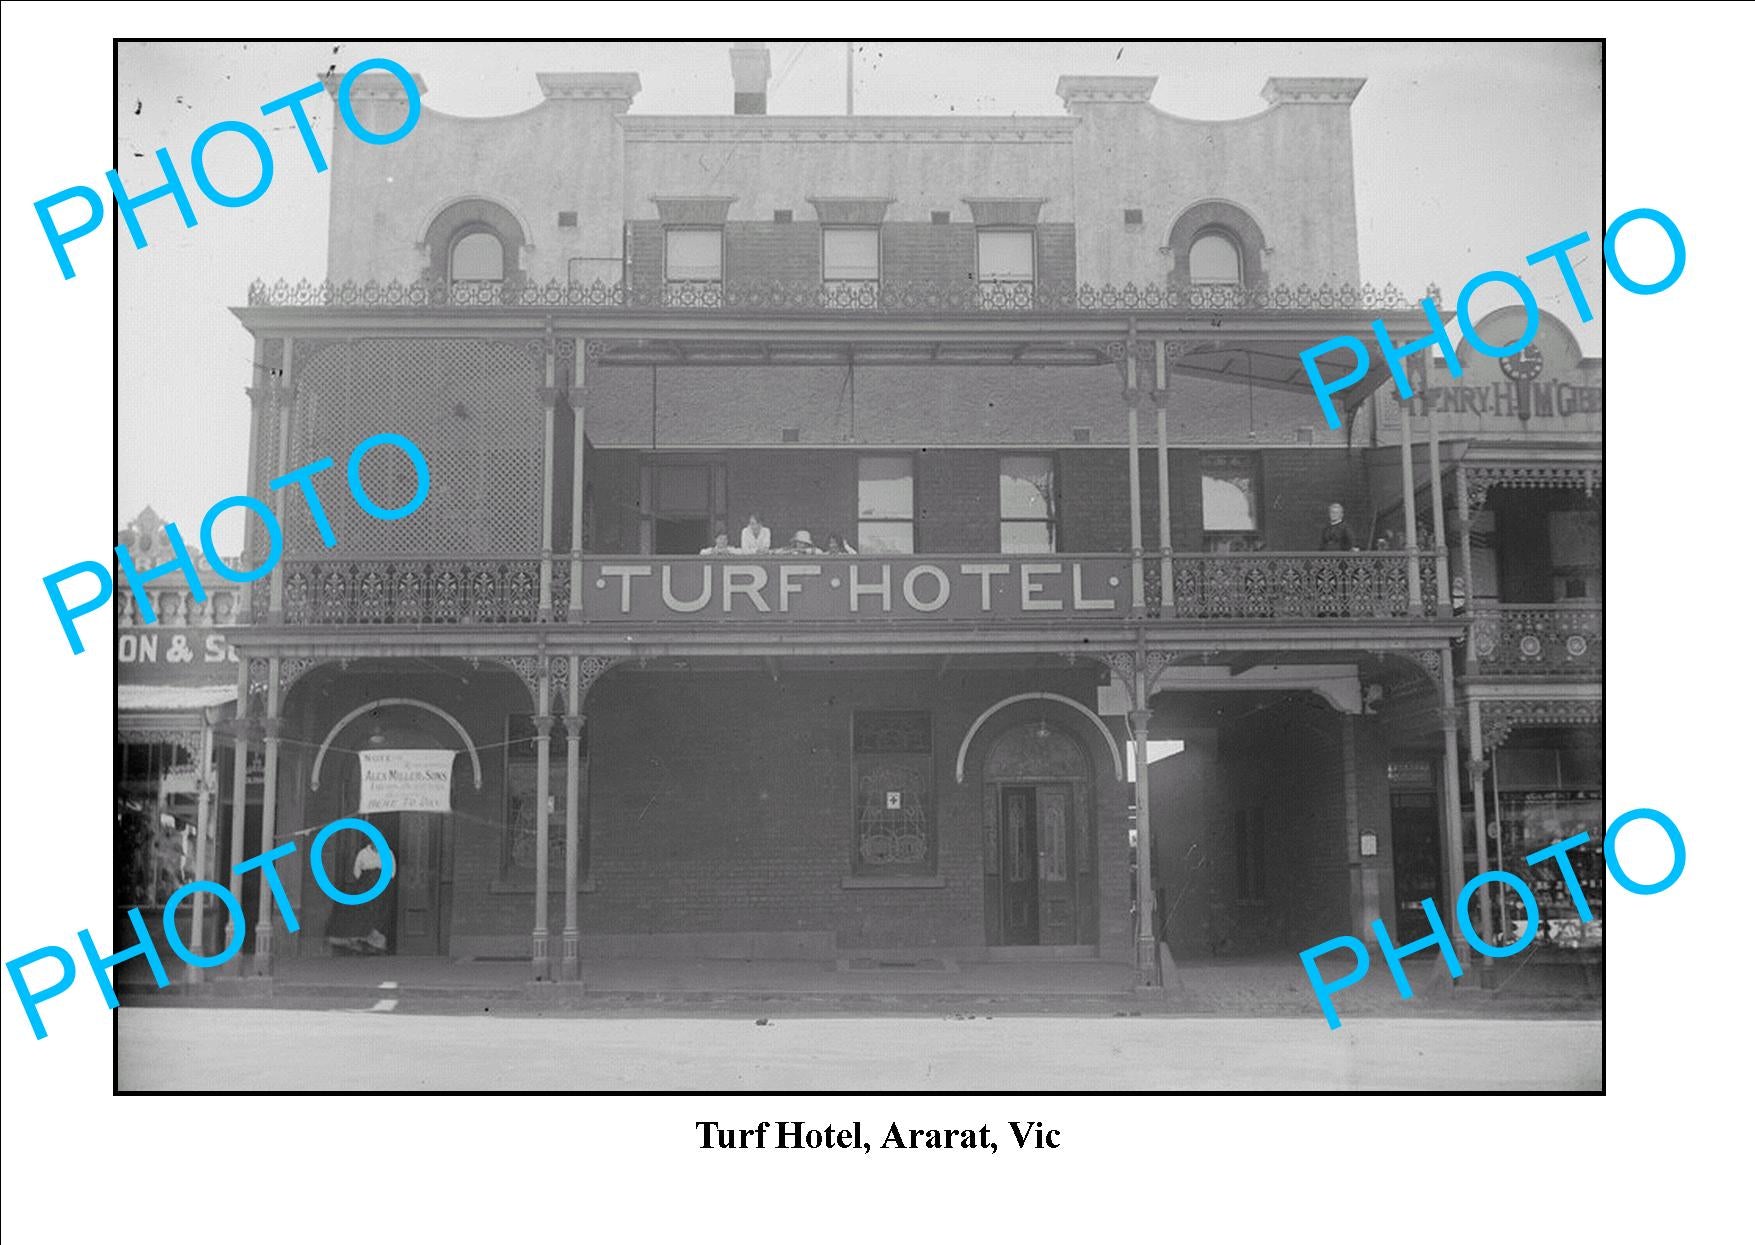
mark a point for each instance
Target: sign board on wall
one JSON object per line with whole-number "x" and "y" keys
{"x": 405, "y": 780}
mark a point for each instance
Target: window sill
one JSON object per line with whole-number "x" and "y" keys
{"x": 587, "y": 887}
{"x": 894, "y": 883}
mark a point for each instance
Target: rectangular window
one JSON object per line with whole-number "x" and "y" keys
{"x": 850, "y": 264}
{"x": 1230, "y": 502}
{"x": 1005, "y": 265}
{"x": 893, "y": 829}
{"x": 684, "y": 504}
{"x": 886, "y": 504}
{"x": 1251, "y": 855}
{"x": 694, "y": 267}
{"x": 1027, "y": 519}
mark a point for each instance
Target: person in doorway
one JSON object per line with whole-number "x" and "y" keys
{"x": 1337, "y": 537}
{"x": 756, "y": 536}
{"x": 359, "y": 929}
{"x": 839, "y": 546}
{"x": 800, "y": 545}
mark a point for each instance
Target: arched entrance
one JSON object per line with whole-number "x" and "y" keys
{"x": 411, "y": 914}
{"x": 1037, "y": 788}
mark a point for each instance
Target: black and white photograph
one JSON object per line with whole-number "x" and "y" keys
{"x": 747, "y": 561}
{"x": 994, "y": 626}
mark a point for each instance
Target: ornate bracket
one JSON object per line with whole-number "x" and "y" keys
{"x": 292, "y": 669}
{"x": 1123, "y": 663}
{"x": 1500, "y": 717}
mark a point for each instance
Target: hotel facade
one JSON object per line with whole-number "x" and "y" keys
{"x": 1041, "y": 375}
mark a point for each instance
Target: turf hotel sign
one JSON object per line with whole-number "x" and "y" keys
{"x": 860, "y": 589}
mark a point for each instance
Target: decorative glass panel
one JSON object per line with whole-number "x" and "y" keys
{"x": 1051, "y": 831}
{"x": 892, "y": 732}
{"x": 892, "y": 815}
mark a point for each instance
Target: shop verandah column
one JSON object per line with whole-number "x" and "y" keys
{"x": 542, "y": 722}
{"x": 262, "y": 963}
{"x": 570, "y": 931}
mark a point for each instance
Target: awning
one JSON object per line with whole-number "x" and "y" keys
{"x": 156, "y": 698}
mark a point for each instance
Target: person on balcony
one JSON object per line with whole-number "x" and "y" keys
{"x": 756, "y": 536}
{"x": 838, "y": 546}
{"x": 800, "y": 545}
{"x": 1337, "y": 537}
{"x": 721, "y": 546}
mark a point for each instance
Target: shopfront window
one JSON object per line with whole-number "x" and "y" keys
{"x": 1540, "y": 796}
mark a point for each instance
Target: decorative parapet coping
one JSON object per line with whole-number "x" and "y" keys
{"x": 886, "y": 298}
{"x": 1104, "y": 89}
{"x": 618, "y": 88}
{"x": 857, "y": 129}
{"x": 1312, "y": 90}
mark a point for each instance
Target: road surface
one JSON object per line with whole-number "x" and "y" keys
{"x": 252, "y": 1049}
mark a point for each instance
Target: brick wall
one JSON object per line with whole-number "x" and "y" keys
{"x": 719, "y": 802}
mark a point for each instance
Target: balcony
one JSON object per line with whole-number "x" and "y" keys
{"x": 1538, "y": 639}
{"x": 1000, "y": 591}
{"x": 889, "y": 297}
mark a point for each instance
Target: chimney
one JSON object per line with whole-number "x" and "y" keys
{"x": 750, "y": 70}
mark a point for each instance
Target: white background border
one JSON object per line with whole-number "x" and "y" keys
{"x": 1656, "y": 1153}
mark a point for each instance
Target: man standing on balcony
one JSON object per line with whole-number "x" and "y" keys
{"x": 1337, "y": 537}
{"x": 756, "y": 537}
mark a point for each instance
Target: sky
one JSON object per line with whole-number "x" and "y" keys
{"x": 1467, "y": 157}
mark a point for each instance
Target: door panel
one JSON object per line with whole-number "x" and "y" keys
{"x": 417, "y": 915}
{"x": 1019, "y": 890}
{"x": 1056, "y": 883}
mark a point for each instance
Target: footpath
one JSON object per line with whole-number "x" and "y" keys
{"x": 632, "y": 987}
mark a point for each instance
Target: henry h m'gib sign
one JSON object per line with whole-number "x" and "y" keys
{"x": 860, "y": 589}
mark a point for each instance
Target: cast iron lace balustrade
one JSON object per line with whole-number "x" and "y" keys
{"x": 412, "y": 590}
{"x": 1299, "y": 585}
{"x": 1539, "y": 639}
{"x": 415, "y": 590}
{"x": 887, "y": 297}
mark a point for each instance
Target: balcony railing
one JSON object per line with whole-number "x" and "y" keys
{"x": 1299, "y": 585}
{"x": 1538, "y": 639}
{"x": 813, "y": 590}
{"x": 889, "y": 297}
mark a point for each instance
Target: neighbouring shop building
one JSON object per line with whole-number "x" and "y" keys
{"x": 1040, "y": 372}
{"x": 176, "y": 695}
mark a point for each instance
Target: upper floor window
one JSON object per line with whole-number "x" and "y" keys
{"x": 850, "y": 264}
{"x": 1027, "y": 520}
{"x": 1213, "y": 259}
{"x": 1005, "y": 265}
{"x": 685, "y": 505}
{"x": 694, "y": 267}
{"x": 478, "y": 256}
{"x": 886, "y": 504}
{"x": 476, "y": 247}
{"x": 1230, "y": 502}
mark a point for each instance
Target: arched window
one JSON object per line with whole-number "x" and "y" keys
{"x": 1213, "y": 260}
{"x": 478, "y": 256}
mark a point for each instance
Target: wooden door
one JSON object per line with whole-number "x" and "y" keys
{"x": 1056, "y": 878}
{"x": 1020, "y": 896}
{"x": 417, "y": 884}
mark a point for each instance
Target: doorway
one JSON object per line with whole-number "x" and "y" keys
{"x": 1038, "y": 893}
{"x": 1416, "y": 849}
